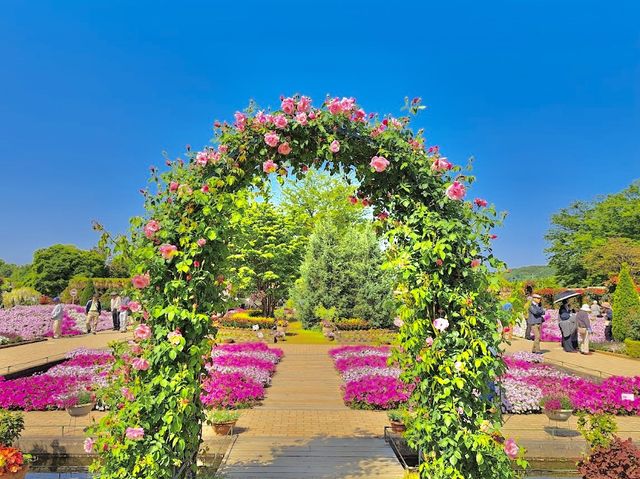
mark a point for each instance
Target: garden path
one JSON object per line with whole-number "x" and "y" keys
{"x": 597, "y": 364}
{"x": 304, "y": 430}
{"x": 17, "y": 358}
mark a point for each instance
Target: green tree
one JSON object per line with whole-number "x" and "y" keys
{"x": 265, "y": 253}
{"x": 583, "y": 226}
{"x": 607, "y": 256}
{"x": 343, "y": 271}
{"x": 54, "y": 266}
{"x": 626, "y": 306}
{"x": 6, "y": 269}
{"x": 317, "y": 196}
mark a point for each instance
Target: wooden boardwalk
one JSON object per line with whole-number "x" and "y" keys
{"x": 304, "y": 430}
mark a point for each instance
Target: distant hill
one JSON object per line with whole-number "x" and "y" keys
{"x": 530, "y": 272}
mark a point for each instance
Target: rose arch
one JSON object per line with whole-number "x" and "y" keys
{"x": 437, "y": 242}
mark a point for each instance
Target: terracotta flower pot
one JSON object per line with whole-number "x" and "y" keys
{"x": 398, "y": 426}
{"x": 80, "y": 410}
{"x": 21, "y": 474}
{"x": 223, "y": 428}
{"x": 559, "y": 415}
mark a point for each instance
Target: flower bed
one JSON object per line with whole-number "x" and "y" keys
{"x": 550, "y": 330}
{"x": 525, "y": 383}
{"x": 369, "y": 383}
{"x": 238, "y": 374}
{"x": 34, "y": 322}
{"x": 83, "y": 369}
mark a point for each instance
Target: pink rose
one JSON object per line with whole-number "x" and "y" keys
{"x": 334, "y": 147}
{"x": 479, "y": 202}
{"x": 151, "y": 228}
{"x": 271, "y": 138}
{"x": 475, "y": 262}
{"x": 141, "y": 281}
{"x": 241, "y": 120}
{"x": 301, "y": 118}
{"x": 134, "y": 306}
{"x": 379, "y": 163}
{"x": 511, "y": 448}
{"x": 168, "y": 251}
{"x": 429, "y": 341}
{"x": 347, "y": 104}
{"x": 142, "y": 332}
{"x": 312, "y": 115}
{"x": 201, "y": 242}
{"x": 223, "y": 149}
{"x": 205, "y": 188}
{"x": 134, "y": 433}
{"x": 261, "y": 118}
{"x": 269, "y": 166}
{"x": 304, "y": 104}
{"x": 284, "y": 148}
{"x": 456, "y": 191}
{"x": 288, "y": 106}
{"x": 202, "y": 158}
{"x": 140, "y": 364}
{"x": 280, "y": 121}
{"x": 173, "y": 186}
{"x": 88, "y": 445}
{"x": 359, "y": 115}
{"x": 441, "y": 164}
{"x": 440, "y": 324}
{"x": 334, "y": 106}
{"x": 127, "y": 394}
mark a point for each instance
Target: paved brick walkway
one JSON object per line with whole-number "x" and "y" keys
{"x": 304, "y": 430}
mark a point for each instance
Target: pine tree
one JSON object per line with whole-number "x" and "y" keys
{"x": 626, "y": 307}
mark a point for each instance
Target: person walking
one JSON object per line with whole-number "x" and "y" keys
{"x": 124, "y": 314}
{"x": 567, "y": 326}
{"x": 93, "y": 310}
{"x": 595, "y": 309}
{"x": 608, "y": 314}
{"x": 536, "y": 314}
{"x": 115, "y": 310}
{"x": 584, "y": 328}
{"x": 56, "y": 317}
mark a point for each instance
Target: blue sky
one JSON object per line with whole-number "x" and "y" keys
{"x": 544, "y": 94}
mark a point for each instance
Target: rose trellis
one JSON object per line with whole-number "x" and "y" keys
{"x": 437, "y": 242}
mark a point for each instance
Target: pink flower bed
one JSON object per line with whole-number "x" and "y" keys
{"x": 525, "y": 383}
{"x": 369, "y": 383}
{"x": 83, "y": 370}
{"x": 238, "y": 374}
{"x": 34, "y": 322}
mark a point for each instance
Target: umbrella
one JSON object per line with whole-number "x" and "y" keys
{"x": 566, "y": 295}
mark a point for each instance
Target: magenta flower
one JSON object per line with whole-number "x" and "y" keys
{"x": 479, "y": 202}
{"x": 511, "y": 448}
{"x": 379, "y": 163}
{"x": 127, "y": 394}
{"x": 142, "y": 332}
{"x": 140, "y": 364}
{"x": 241, "y": 120}
{"x": 134, "y": 306}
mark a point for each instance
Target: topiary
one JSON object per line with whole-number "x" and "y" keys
{"x": 87, "y": 293}
{"x": 626, "y": 306}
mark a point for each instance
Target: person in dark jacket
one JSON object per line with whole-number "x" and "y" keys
{"x": 536, "y": 314}
{"x": 93, "y": 310}
{"x": 608, "y": 314}
{"x": 567, "y": 326}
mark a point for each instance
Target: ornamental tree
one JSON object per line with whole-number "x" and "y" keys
{"x": 439, "y": 249}
{"x": 626, "y": 307}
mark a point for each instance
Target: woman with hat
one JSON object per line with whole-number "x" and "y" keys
{"x": 584, "y": 328}
{"x": 608, "y": 314}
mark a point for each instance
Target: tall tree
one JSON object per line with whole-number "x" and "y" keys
{"x": 265, "y": 253}
{"x": 607, "y": 256}
{"x": 54, "y": 266}
{"x": 6, "y": 269}
{"x": 626, "y": 307}
{"x": 578, "y": 229}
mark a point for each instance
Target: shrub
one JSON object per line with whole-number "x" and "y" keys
{"x": 597, "y": 429}
{"x": 244, "y": 319}
{"x": 626, "y": 307}
{"x": 352, "y": 324}
{"x": 632, "y": 347}
{"x": 21, "y": 297}
{"x": 619, "y": 460}
{"x": 11, "y": 426}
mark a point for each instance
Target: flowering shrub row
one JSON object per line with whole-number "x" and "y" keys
{"x": 369, "y": 383}
{"x": 34, "y": 322}
{"x": 84, "y": 370}
{"x": 525, "y": 383}
{"x": 243, "y": 319}
{"x": 238, "y": 374}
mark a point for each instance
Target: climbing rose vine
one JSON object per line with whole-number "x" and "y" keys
{"x": 438, "y": 246}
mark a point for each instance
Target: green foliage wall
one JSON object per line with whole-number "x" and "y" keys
{"x": 626, "y": 307}
{"x": 343, "y": 271}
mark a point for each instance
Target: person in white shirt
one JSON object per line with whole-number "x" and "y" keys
{"x": 116, "y": 301}
{"x": 56, "y": 317}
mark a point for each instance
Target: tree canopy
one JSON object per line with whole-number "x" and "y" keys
{"x": 583, "y": 228}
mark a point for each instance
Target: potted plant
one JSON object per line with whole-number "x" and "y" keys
{"x": 281, "y": 327}
{"x": 222, "y": 420}
{"x": 557, "y": 407}
{"x": 80, "y": 403}
{"x": 396, "y": 419}
{"x": 13, "y": 463}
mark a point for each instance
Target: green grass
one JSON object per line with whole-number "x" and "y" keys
{"x": 297, "y": 335}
